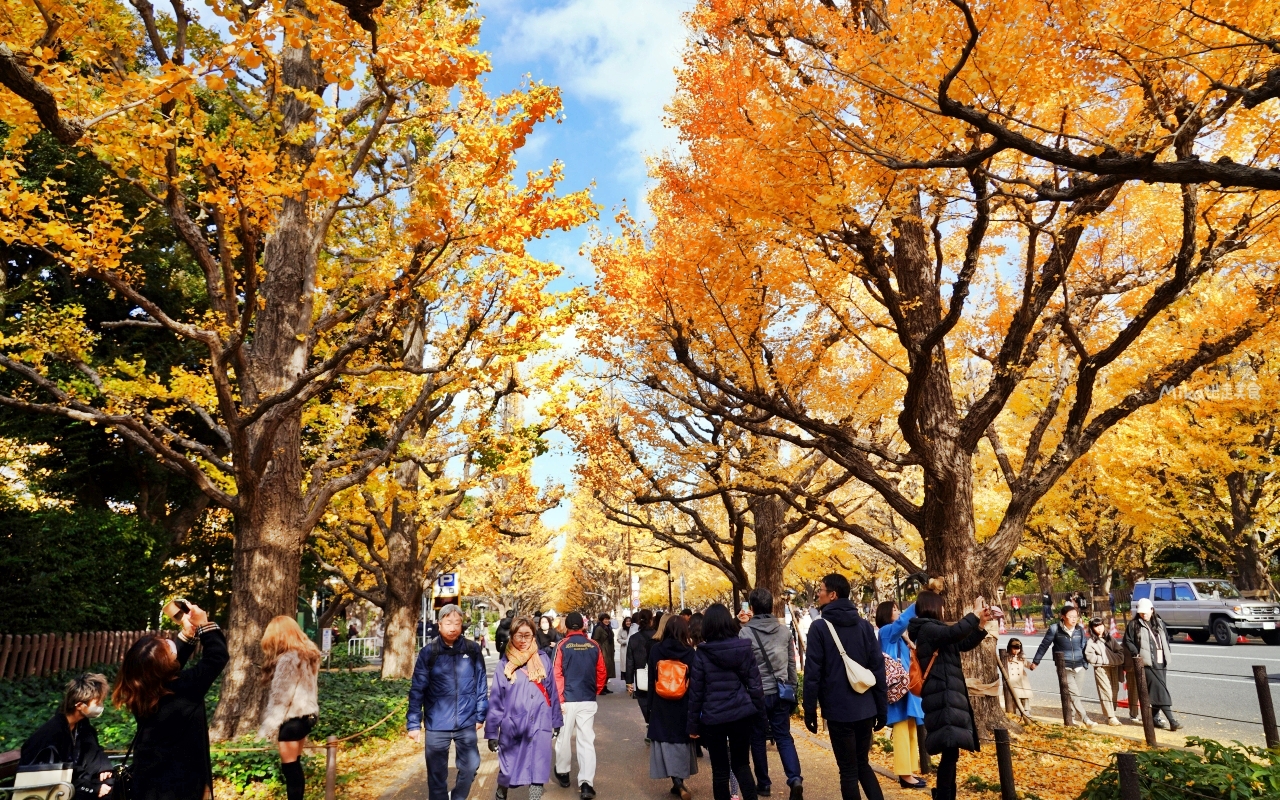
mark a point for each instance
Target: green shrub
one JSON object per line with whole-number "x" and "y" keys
{"x": 1228, "y": 772}
{"x": 350, "y": 702}
{"x": 28, "y": 703}
{"x": 86, "y": 570}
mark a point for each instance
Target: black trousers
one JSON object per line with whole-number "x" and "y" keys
{"x": 729, "y": 746}
{"x": 851, "y": 743}
{"x": 947, "y": 773}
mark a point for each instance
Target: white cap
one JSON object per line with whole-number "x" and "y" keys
{"x": 1144, "y": 606}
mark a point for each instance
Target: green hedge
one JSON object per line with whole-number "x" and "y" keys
{"x": 1223, "y": 772}
{"x": 65, "y": 572}
{"x": 350, "y": 702}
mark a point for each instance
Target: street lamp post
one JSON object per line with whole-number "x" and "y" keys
{"x": 670, "y": 603}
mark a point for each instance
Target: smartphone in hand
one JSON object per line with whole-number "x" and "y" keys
{"x": 176, "y": 609}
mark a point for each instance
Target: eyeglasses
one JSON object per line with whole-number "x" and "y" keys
{"x": 523, "y": 636}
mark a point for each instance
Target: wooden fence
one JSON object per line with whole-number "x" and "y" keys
{"x": 46, "y": 653}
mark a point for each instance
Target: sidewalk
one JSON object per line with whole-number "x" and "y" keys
{"x": 622, "y": 771}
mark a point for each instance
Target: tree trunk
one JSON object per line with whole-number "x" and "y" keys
{"x": 264, "y": 582}
{"x": 1042, "y": 574}
{"x": 1246, "y": 545}
{"x": 400, "y": 639}
{"x": 269, "y": 523}
{"x": 767, "y": 514}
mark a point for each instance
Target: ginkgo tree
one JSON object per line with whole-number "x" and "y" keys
{"x": 337, "y": 176}
{"x": 941, "y": 242}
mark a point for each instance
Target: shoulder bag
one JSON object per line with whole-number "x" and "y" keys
{"x": 786, "y": 691}
{"x": 915, "y": 681}
{"x": 860, "y": 678}
{"x": 123, "y": 788}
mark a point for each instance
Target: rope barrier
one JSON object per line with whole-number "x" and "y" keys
{"x": 1049, "y": 753}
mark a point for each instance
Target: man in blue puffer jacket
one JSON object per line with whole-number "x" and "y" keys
{"x": 449, "y": 683}
{"x": 1067, "y": 636}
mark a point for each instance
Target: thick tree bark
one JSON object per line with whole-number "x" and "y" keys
{"x": 404, "y": 575}
{"x": 767, "y": 516}
{"x": 264, "y": 582}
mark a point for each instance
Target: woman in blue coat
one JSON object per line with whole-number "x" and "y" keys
{"x": 906, "y": 713}
{"x": 524, "y": 713}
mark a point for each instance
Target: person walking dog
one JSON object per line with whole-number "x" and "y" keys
{"x": 291, "y": 669}
{"x": 851, "y": 715}
{"x": 944, "y": 696}
{"x": 580, "y": 677}
{"x": 524, "y": 713}
{"x": 771, "y": 643}
{"x": 449, "y": 697}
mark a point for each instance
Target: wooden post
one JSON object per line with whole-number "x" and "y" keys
{"x": 37, "y": 653}
{"x": 1004, "y": 760}
{"x": 1266, "y": 706}
{"x": 1059, "y": 661}
{"x": 926, "y": 765}
{"x": 1130, "y": 785}
{"x": 6, "y": 647}
{"x": 1139, "y": 677}
{"x": 330, "y": 767}
{"x": 1010, "y": 705}
{"x": 65, "y": 663}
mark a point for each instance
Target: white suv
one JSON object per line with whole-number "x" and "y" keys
{"x": 1209, "y": 607}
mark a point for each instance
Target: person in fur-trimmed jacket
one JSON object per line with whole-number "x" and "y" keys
{"x": 292, "y": 669}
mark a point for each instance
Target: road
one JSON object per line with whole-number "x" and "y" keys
{"x": 1206, "y": 681}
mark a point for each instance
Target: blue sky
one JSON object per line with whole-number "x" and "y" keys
{"x": 614, "y": 62}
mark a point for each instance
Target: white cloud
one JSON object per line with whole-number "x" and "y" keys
{"x": 622, "y": 53}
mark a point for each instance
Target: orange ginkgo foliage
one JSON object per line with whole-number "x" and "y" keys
{"x": 349, "y": 197}
{"x": 945, "y": 244}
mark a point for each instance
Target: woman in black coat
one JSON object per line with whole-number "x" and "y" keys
{"x": 672, "y": 754}
{"x": 638, "y": 658}
{"x": 171, "y": 749}
{"x": 725, "y": 696}
{"x": 948, "y": 717}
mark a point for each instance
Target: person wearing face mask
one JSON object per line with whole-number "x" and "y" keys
{"x": 171, "y": 748}
{"x": 69, "y": 737}
{"x": 547, "y": 635}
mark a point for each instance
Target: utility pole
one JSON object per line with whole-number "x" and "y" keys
{"x": 670, "y": 580}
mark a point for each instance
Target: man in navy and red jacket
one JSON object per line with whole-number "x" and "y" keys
{"x": 580, "y": 677}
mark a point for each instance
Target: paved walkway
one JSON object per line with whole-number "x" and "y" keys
{"x": 622, "y": 770}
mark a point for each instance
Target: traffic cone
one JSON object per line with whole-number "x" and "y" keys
{"x": 1124, "y": 701}
{"x": 1002, "y": 628}
{"x": 1242, "y": 639}
{"x": 1115, "y": 632}
{"x": 1029, "y": 627}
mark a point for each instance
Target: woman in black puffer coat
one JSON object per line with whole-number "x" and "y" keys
{"x": 725, "y": 696}
{"x": 948, "y": 717}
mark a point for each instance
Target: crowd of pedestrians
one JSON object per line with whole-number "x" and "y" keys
{"x": 714, "y": 683}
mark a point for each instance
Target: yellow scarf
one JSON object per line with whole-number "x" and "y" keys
{"x": 517, "y": 658}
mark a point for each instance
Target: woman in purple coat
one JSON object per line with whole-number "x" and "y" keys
{"x": 524, "y": 713}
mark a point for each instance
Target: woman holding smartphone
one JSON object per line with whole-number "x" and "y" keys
{"x": 171, "y": 748}
{"x": 948, "y": 717}
{"x": 292, "y": 668}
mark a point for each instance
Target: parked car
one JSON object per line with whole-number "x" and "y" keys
{"x": 1209, "y": 607}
